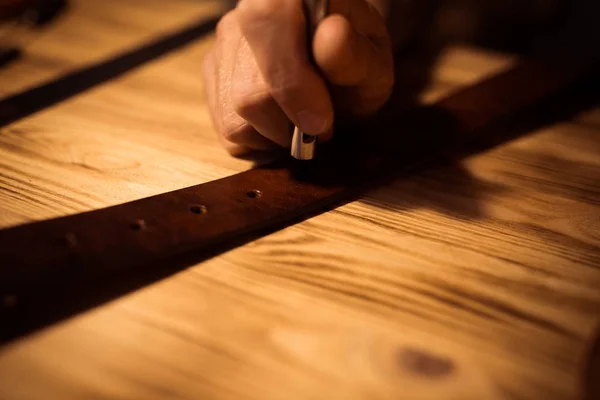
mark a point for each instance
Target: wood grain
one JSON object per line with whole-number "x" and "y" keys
{"x": 476, "y": 279}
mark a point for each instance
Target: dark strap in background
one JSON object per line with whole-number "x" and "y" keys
{"x": 47, "y": 94}
{"x": 53, "y": 268}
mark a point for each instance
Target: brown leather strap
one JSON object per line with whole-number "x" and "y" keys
{"x": 45, "y": 263}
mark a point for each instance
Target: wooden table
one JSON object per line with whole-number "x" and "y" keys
{"x": 475, "y": 280}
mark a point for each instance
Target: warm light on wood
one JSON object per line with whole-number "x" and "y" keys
{"x": 477, "y": 280}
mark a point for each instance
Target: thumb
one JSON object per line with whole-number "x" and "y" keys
{"x": 349, "y": 58}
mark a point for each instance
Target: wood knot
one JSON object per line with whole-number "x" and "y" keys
{"x": 425, "y": 364}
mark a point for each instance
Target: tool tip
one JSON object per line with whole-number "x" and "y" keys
{"x": 303, "y": 145}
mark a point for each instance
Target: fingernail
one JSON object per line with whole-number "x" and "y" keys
{"x": 312, "y": 123}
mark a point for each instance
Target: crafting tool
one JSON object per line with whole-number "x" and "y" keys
{"x": 303, "y": 145}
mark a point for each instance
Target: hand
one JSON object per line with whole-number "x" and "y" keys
{"x": 258, "y": 76}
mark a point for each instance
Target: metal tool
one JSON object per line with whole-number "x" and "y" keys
{"x": 303, "y": 145}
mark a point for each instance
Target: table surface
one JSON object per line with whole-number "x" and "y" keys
{"x": 478, "y": 279}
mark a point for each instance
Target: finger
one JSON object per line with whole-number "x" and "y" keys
{"x": 253, "y": 102}
{"x": 267, "y": 118}
{"x": 276, "y": 32}
{"x": 234, "y": 131}
{"x": 349, "y": 58}
{"x": 238, "y": 131}
{"x": 233, "y": 149}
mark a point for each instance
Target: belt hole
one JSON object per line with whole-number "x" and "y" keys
{"x": 138, "y": 225}
{"x": 198, "y": 209}
{"x": 254, "y": 194}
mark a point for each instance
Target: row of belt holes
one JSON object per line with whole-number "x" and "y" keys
{"x": 9, "y": 301}
{"x": 196, "y": 209}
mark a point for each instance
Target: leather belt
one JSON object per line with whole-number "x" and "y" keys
{"x": 55, "y": 267}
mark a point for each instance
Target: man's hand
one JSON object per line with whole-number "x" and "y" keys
{"x": 258, "y": 76}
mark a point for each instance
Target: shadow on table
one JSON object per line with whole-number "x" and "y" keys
{"x": 447, "y": 187}
{"x": 425, "y": 146}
